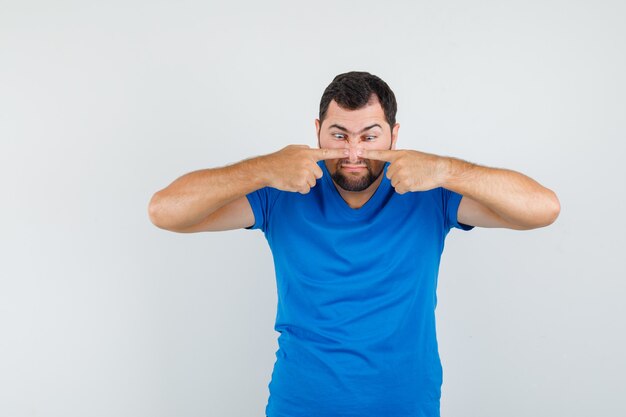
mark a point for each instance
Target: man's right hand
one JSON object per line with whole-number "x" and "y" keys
{"x": 294, "y": 168}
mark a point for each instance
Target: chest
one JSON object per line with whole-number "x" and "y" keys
{"x": 400, "y": 236}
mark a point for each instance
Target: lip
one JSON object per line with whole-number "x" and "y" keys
{"x": 353, "y": 167}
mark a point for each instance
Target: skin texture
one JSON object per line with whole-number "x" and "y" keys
{"x": 492, "y": 197}
{"x": 356, "y": 177}
{"x": 215, "y": 199}
{"x": 294, "y": 168}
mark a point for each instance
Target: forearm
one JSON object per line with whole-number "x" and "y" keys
{"x": 195, "y": 195}
{"x": 515, "y": 197}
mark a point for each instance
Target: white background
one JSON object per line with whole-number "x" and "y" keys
{"x": 104, "y": 103}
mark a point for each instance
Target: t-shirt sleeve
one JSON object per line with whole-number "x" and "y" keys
{"x": 261, "y": 202}
{"x": 451, "y": 201}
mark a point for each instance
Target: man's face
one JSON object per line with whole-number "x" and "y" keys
{"x": 364, "y": 128}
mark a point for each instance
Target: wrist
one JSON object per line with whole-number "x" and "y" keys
{"x": 453, "y": 172}
{"x": 256, "y": 169}
{"x": 444, "y": 171}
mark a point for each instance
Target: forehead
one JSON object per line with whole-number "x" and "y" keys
{"x": 355, "y": 119}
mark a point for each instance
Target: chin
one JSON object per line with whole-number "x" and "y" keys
{"x": 354, "y": 183}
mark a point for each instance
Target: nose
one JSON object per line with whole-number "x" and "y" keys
{"x": 354, "y": 151}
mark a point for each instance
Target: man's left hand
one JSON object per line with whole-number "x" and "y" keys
{"x": 410, "y": 170}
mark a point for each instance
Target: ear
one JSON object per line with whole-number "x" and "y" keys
{"x": 317, "y": 129}
{"x": 394, "y": 135}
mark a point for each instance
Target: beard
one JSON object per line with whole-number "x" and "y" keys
{"x": 355, "y": 182}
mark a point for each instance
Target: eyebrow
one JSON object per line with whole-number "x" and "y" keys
{"x": 346, "y": 130}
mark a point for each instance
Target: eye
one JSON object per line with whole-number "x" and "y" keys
{"x": 338, "y": 134}
{"x": 370, "y": 138}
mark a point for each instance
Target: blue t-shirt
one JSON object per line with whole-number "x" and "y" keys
{"x": 356, "y": 299}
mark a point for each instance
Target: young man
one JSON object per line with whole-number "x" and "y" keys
{"x": 357, "y": 230}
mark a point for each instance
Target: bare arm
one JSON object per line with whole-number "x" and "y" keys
{"x": 215, "y": 199}
{"x": 500, "y": 197}
{"x": 492, "y": 197}
{"x": 193, "y": 201}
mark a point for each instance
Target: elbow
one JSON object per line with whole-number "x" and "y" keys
{"x": 161, "y": 215}
{"x": 544, "y": 217}
{"x": 552, "y": 210}
{"x": 155, "y": 211}
{"x": 555, "y": 208}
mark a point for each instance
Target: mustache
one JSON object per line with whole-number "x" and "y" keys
{"x": 364, "y": 162}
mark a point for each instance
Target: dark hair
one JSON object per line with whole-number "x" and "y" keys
{"x": 353, "y": 90}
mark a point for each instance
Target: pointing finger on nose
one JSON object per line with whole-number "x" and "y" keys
{"x": 379, "y": 155}
{"x": 330, "y": 153}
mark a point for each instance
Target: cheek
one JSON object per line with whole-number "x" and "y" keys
{"x": 376, "y": 166}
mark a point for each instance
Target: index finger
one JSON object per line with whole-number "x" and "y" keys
{"x": 387, "y": 155}
{"x": 330, "y": 153}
